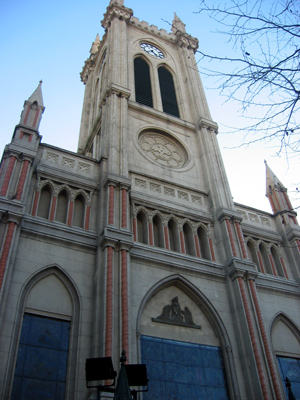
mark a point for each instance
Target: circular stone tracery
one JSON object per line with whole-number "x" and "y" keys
{"x": 164, "y": 150}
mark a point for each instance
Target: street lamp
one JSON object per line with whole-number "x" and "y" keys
{"x": 101, "y": 369}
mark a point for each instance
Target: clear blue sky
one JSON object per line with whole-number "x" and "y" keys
{"x": 50, "y": 40}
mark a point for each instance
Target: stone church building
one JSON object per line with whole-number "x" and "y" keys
{"x": 134, "y": 242}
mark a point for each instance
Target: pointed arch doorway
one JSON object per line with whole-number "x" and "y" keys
{"x": 180, "y": 346}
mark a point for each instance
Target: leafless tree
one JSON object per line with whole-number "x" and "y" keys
{"x": 262, "y": 71}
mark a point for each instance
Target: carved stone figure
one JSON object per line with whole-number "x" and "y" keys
{"x": 174, "y": 315}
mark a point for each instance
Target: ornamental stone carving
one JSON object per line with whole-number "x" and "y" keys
{"x": 173, "y": 314}
{"x": 116, "y": 10}
{"x": 163, "y": 149}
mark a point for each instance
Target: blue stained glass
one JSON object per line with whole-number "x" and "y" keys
{"x": 290, "y": 368}
{"x": 156, "y": 369}
{"x": 183, "y": 370}
{"x": 41, "y": 366}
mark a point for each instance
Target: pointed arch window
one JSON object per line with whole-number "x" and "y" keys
{"x": 79, "y": 205}
{"x": 203, "y": 243}
{"x": 143, "y": 92}
{"x": 62, "y": 207}
{"x": 188, "y": 240}
{"x": 173, "y": 235}
{"x": 44, "y": 203}
{"x": 277, "y": 262}
{"x": 265, "y": 259}
{"x": 252, "y": 254}
{"x": 158, "y": 231}
{"x": 167, "y": 91}
{"x": 142, "y": 231}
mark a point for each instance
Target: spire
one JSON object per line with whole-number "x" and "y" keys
{"x": 272, "y": 182}
{"x": 33, "y": 109}
{"x": 37, "y": 95}
{"x": 95, "y": 46}
{"x": 276, "y": 192}
{"x": 178, "y": 25}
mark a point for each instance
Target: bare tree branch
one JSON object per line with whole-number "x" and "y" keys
{"x": 264, "y": 71}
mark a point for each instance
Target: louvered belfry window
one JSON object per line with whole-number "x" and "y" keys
{"x": 167, "y": 90}
{"x": 143, "y": 93}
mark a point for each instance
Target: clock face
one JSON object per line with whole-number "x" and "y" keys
{"x": 152, "y": 50}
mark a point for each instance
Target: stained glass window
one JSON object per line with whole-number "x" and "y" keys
{"x": 179, "y": 370}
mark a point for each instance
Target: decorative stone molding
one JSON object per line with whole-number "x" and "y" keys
{"x": 163, "y": 149}
{"x": 68, "y": 162}
{"x": 155, "y": 187}
{"x": 244, "y": 214}
{"x": 140, "y": 183}
{"x": 84, "y": 166}
{"x": 253, "y": 217}
{"x": 187, "y": 41}
{"x": 120, "y": 91}
{"x": 116, "y": 10}
{"x": 265, "y": 221}
{"x": 169, "y": 191}
{"x": 183, "y": 195}
{"x": 196, "y": 199}
{"x": 53, "y": 157}
{"x": 208, "y": 124}
{"x": 88, "y": 68}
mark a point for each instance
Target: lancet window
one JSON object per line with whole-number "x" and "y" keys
{"x": 45, "y": 202}
{"x": 167, "y": 91}
{"x": 67, "y": 206}
{"x": 172, "y": 233}
{"x": 143, "y": 91}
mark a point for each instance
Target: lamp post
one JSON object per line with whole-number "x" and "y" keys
{"x": 99, "y": 369}
{"x": 289, "y": 388}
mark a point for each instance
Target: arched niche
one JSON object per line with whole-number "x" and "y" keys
{"x": 50, "y": 294}
{"x": 183, "y": 340}
{"x": 285, "y": 336}
{"x": 48, "y": 310}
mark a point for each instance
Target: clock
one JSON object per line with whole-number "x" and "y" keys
{"x": 152, "y": 50}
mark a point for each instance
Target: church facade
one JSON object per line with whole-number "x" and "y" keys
{"x": 134, "y": 242}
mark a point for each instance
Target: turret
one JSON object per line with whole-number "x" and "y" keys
{"x": 28, "y": 128}
{"x": 276, "y": 192}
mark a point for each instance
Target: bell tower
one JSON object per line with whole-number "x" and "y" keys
{"x": 164, "y": 193}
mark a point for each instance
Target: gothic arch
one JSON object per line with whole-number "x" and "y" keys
{"x": 45, "y": 183}
{"x": 168, "y": 90}
{"x": 83, "y": 193}
{"x": 251, "y": 246}
{"x": 282, "y": 317}
{"x": 158, "y": 229}
{"x": 70, "y": 287}
{"x": 210, "y": 312}
{"x": 264, "y": 252}
{"x": 64, "y": 187}
{"x": 275, "y": 253}
{"x": 143, "y": 81}
{"x": 285, "y": 341}
{"x": 142, "y": 219}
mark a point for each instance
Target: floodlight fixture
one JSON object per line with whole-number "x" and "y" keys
{"x": 99, "y": 369}
{"x": 137, "y": 374}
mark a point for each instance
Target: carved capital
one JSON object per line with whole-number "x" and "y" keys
{"x": 116, "y": 10}
{"x": 118, "y": 90}
{"x": 208, "y": 124}
{"x": 187, "y": 41}
{"x": 89, "y": 66}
